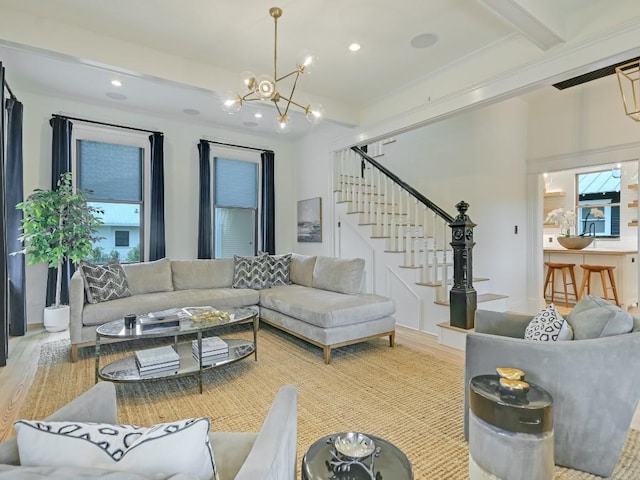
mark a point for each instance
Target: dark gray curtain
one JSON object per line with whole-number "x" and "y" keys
{"x": 4, "y": 319}
{"x": 60, "y": 163}
{"x": 205, "y": 240}
{"x": 268, "y": 203}
{"x": 156, "y": 229}
{"x": 13, "y": 196}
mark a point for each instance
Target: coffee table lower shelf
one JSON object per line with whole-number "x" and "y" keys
{"x": 126, "y": 370}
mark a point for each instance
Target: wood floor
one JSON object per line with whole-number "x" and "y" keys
{"x": 16, "y": 377}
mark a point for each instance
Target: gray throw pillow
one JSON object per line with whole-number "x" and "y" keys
{"x": 594, "y": 317}
{"x": 250, "y": 272}
{"x": 338, "y": 274}
{"x": 104, "y": 282}
{"x": 301, "y": 271}
{"x": 548, "y": 326}
{"x": 149, "y": 277}
{"x": 278, "y": 270}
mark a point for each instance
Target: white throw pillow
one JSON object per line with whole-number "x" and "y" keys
{"x": 548, "y": 326}
{"x": 171, "y": 448}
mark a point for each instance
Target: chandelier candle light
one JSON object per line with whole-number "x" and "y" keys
{"x": 266, "y": 87}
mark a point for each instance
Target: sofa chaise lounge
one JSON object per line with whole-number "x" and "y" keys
{"x": 320, "y": 301}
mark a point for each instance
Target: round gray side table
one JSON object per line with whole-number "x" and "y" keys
{"x": 388, "y": 463}
{"x": 510, "y": 436}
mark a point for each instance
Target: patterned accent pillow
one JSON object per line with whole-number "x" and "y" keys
{"x": 104, "y": 282}
{"x": 250, "y": 272}
{"x": 278, "y": 271}
{"x": 548, "y": 326}
{"x": 180, "y": 447}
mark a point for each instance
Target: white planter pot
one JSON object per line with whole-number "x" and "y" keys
{"x": 56, "y": 319}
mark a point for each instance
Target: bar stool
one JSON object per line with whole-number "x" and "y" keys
{"x": 551, "y": 279}
{"x": 586, "y": 280}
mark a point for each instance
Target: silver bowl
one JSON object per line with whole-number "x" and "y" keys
{"x": 354, "y": 445}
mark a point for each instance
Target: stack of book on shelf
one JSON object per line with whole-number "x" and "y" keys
{"x": 157, "y": 361}
{"x": 213, "y": 349}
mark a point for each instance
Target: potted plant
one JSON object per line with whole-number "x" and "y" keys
{"x": 58, "y": 225}
{"x": 566, "y": 220}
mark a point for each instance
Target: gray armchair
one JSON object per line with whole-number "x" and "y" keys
{"x": 268, "y": 455}
{"x": 595, "y": 384}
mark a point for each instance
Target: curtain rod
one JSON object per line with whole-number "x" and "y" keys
{"x": 236, "y": 146}
{"x": 107, "y": 124}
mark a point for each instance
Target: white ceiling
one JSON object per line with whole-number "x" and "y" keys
{"x": 173, "y": 56}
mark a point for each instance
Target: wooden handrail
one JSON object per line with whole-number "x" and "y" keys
{"x": 405, "y": 186}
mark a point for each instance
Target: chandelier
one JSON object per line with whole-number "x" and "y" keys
{"x": 629, "y": 81}
{"x": 267, "y": 87}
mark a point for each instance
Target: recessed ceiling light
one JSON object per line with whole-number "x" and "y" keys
{"x": 354, "y": 47}
{"x": 116, "y": 83}
{"x": 258, "y": 115}
{"x": 424, "y": 40}
{"x": 191, "y": 111}
{"x": 116, "y": 96}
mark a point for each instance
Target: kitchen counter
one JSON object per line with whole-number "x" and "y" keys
{"x": 590, "y": 251}
{"x": 625, "y": 272}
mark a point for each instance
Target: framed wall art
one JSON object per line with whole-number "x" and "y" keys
{"x": 310, "y": 220}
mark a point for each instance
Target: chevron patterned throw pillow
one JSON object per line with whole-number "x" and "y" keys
{"x": 104, "y": 282}
{"x": 250, "y": 272}
{"x": 279, "y": 270}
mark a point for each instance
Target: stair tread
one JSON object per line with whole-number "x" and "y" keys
{"x": 429, "y": 284}
{"x": 448, "y": 326}
{"x": 485, "y": 297}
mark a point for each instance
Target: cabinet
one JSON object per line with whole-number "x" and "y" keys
{"x": 625, "y": 273}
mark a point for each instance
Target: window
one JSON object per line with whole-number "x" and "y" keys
{"x": 235, "y": 207}
{"x": 598, "y": 207}
{"x": 122, "y": 238}
{"x": 114, "y": 167}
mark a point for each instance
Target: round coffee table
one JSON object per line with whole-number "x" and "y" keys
{"x": 387, "y": 463}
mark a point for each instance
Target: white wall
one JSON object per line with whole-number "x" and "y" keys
{"x": 181, "y": 173}
{"x": 580, "y": 126}
{"x": 312, "y": 170}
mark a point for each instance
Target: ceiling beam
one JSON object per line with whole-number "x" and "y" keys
{"x": 539, "y": 21}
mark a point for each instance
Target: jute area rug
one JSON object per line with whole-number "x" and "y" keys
{"x": 407, "y": 397}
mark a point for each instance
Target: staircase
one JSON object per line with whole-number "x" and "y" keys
{"x": 404, "y": 238}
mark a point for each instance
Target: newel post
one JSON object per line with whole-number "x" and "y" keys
{"x": 463, "y": 297}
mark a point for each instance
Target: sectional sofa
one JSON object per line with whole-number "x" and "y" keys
{"x": 317, "y": 299}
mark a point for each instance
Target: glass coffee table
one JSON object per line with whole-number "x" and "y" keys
{"x": 126, "y": 370}
{"x": 323, "y": 462}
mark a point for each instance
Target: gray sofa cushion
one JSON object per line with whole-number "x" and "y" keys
{"x": 301, "y": 271}
{"x": 148, "y": 277}
{"x": 594, "y": 317}
{"x": 188, "y": 274}
{"x": 152, "y": 302}
{"x": 324, "y": 308}
{"x": 338, "y": 274}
